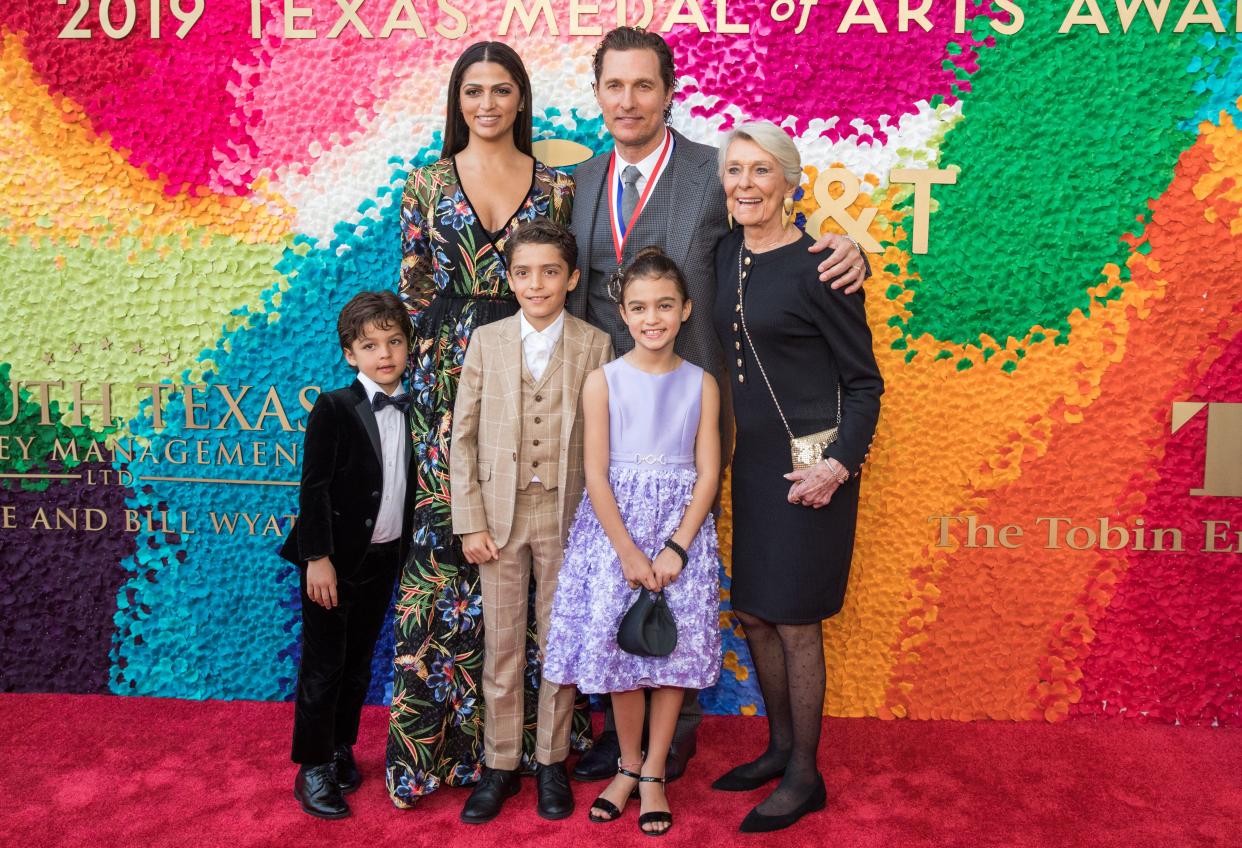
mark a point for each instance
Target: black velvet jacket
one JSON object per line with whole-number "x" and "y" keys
{"x": 342, "y": 481}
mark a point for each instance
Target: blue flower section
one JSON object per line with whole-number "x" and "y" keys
{"x": 730, "y": 694}
{"x": 1217, "y": 71}
{"x": 215, "y": 612}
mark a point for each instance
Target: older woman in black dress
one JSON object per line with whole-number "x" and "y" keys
{"x": 799, "y": 363}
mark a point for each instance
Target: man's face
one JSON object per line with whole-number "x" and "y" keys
{"x": 632, "y": 96}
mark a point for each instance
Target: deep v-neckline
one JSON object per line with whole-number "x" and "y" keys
{"x": 534, "y": 166}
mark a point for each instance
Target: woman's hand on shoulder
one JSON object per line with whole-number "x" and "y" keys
{"x": 844, "y": 267}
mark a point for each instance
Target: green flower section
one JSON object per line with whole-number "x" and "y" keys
{"x": 37, "y": 441}
{"x": 124, "y": 313}
{"x": 1065, "y": 138}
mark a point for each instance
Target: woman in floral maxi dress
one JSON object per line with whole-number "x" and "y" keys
{"x": 453, "y": 279}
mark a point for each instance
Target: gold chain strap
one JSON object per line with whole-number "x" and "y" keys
{"x": 741, "y": 310}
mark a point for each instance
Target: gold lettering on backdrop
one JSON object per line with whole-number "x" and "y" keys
{"x": 157, "y": 521}
{"x": 1222, "y": 459}
{"x": 395, "y": 22}
{"x": 527, "y": 15}
{"x": 1016, "y": 15}
{"x": 45, "y": 400}
{"x": 292, "y": 13}
{"x": 158, "y": 390}
{"x": 349, "y": 16}
{"x": 1216, "y": 538}
{"x": 644, "y": 20}
{"x": 578, "y": 8}
{"x": 192, "y": 406}
{"x": 80, "y": 403}
{"x": 906, "y": 15}
{"x": 1088, "y": 13}
{"x": 234, "y": 409}
{"x": 922, "y": 179}
{"x": 1127, "y": 9}
{"x": 685, "y": 12}
{"x": 872, "y": 17}
{"x": 454, "y": 13}
{"x": 1192, "y": 15}
{"x": 8, "y": 517}
{"x": 724, "y": 25}
{"x": 838, "y": 208}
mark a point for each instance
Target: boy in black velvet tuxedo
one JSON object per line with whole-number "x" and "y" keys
{"x": 349, "y": 542}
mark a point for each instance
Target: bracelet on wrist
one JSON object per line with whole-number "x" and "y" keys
{"x": 679, "y": 550}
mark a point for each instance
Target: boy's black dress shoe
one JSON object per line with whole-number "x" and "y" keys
{"x": 316, "y": 789}
{"x": 347, "y": 775}
{"x": 601, "y": 761}
{"x": 556, "y": 801}
{"x": 756, "y": 822}
{"x": 489, "y": 795}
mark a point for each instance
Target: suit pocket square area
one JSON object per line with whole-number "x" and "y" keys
{"x": 485, "y": 471}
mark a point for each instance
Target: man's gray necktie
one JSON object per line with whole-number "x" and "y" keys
{"x": 629, "y": 194}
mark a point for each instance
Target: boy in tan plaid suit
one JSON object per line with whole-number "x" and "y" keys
{"x": 516, "y": 476}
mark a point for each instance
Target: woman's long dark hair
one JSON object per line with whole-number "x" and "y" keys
{"x": 456, "y": 133}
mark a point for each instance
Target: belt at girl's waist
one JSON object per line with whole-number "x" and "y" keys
{"x": 650, "y": 459}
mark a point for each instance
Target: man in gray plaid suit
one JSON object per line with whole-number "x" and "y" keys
{"x": 658, "y": 187}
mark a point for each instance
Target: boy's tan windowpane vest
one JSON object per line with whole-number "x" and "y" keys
{"x": 538, "y": 454}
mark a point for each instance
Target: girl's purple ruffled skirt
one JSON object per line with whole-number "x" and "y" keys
{"x": 592, "y": 595}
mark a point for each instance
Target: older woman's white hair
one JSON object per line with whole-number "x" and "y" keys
{"x": 773, "y": 140}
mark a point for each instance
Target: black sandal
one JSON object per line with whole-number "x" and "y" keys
{"x": 607, "y": 807}
{"x": 657, "y": 817}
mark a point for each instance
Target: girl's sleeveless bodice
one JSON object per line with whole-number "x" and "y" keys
{"x": 653, "y": 418}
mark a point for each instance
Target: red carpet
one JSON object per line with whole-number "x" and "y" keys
{"x": 110, "y": 771}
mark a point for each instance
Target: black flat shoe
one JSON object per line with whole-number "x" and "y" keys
{"x": 489, "y": 795}
{"x": 600, "y": 762}
{"x": 757, "y": 822}
{"x": 656, "y": 817}
{"x": 556, "y": 801}
{"x": 347, "y": 775}
{"x": 316, "y": 790}
{"x": 734, "y": 781}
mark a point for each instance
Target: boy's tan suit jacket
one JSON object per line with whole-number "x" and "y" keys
{"x": 487, "y": 422}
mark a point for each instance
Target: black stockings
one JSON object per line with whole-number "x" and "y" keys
{"x": 789, "y": 660}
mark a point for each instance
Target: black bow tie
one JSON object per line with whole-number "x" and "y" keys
{"x": 381, "y": 400}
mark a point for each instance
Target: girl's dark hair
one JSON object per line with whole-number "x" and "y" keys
{"x": 650, "y": 262}
{"x": 456, "y": 133}
{"x": 381, "y": 308}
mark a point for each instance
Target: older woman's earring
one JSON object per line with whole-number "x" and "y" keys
{"x": 787, "y": 209}
{"x": 729, "y": 215}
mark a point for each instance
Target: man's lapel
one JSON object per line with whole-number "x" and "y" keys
{"x": 362, "y": 408}
{"x": 686, "y": 182}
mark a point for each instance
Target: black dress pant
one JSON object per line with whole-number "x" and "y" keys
{"x": 337, "y": 646}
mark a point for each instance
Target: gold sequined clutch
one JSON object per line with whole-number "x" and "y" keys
{"x": 805, "y": 451}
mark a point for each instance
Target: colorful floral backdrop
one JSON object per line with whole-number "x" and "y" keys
{"x": 195, "y": 211}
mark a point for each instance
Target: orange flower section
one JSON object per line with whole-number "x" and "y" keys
{"x": 83, "y": 181}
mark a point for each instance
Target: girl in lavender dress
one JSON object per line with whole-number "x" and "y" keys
{"x": 652, "y": 461}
